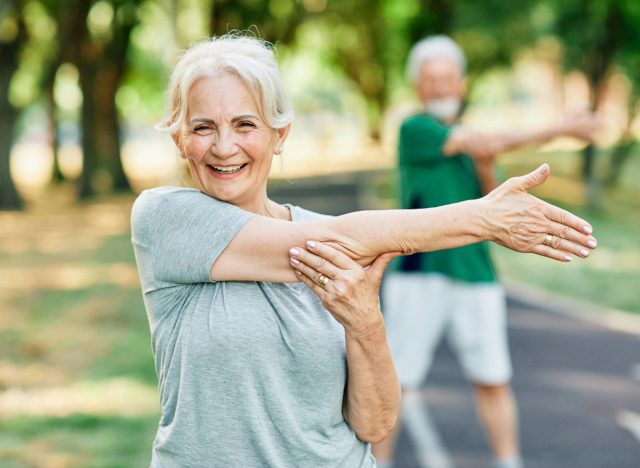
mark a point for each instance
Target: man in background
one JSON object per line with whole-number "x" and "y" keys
{"x": 455, "y": 292}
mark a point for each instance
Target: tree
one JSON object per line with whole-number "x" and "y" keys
{"x": 606, "y": 36}
{"x": 103, "y": 30}
{"x": 13, "y": 36}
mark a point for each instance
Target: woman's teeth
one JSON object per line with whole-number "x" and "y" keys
{"x": 227, "y": 169}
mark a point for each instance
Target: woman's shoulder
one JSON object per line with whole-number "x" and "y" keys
{"x": 163, "y": 202}
{"x": 167, "y": 192}
{"x": 166, "y": 196}
{"x": 301, "y": 214}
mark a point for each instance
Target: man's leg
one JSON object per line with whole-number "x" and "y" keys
{"x": 415, "y": 317}
{"x": 498, "y": 413}
{"x": 479, "y": 335}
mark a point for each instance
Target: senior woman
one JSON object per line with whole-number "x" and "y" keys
{"x": 268, "y": 340}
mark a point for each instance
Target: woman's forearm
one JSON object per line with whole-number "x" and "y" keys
{"x": 372, "y": 399}
{"x": 364, "y": 235}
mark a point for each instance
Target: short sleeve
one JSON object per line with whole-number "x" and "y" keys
{"x": 179, "y": 233}
{"x": 421, "y": 140}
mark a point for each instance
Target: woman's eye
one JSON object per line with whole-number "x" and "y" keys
{"x": 203, "y": 129}
{"x": 247, "y": 125}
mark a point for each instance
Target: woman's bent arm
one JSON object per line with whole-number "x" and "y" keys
{"x": 372, "y": 394}
{"x": 508, "y": 216}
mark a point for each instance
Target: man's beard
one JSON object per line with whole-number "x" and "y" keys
{"x": 443, "y": 109}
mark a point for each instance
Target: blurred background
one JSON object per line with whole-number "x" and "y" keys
{"x": 82, "y": 83}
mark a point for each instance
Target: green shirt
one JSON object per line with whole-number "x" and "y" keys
{"x": 429, "y": 179}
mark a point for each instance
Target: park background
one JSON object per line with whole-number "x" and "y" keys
{"x": 82, "y": 84}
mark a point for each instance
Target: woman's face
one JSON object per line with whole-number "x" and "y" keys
{"x": 228, "y": 146}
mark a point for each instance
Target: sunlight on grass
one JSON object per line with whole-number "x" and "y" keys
{"x": 68, "y": 277}
{"x": 119, "y": 396}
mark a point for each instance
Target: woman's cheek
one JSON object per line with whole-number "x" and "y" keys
{"x": 198, "y": 145}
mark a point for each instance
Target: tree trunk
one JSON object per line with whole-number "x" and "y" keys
{"x": 90, "y": 157}
{"x": 109, "y": 127}
{"x": 9, "y": 53}
{"x": 52, "y": 117}
{"x": 9, "y": 198}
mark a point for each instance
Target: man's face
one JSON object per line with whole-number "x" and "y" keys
{"x": 440, "y": 79}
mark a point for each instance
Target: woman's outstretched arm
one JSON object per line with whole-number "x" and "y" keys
{"x": 508, "y": 216}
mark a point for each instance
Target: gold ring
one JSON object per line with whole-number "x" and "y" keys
{"x": 548, "y": 240}
{"x": 321, "y": 280}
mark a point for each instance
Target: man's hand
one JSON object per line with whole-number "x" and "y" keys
{"x": 582, "y": 125}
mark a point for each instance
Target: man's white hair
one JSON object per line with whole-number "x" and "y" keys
{"x": 433, "y": 47}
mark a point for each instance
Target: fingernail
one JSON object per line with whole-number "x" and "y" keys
{"x": 584, "y": 252}
{"x": 587, "y": 229}
{"x": 568, "y": 258}
{"x": 298, "y": 272}
{"x": 294, "y": 261}
{"x": 592, "y": 243}
{"x": 311, "y": 244}
{"x": 294, "y": 251}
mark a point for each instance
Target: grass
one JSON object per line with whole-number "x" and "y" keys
{"x": 76, "y": 440}
{"x": 77, "y": 382}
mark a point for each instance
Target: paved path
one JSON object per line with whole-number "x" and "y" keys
{"x": 578, "y": 388}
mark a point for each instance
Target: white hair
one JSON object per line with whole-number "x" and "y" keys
{"x": 433, "y": 47}
{"x": 249, "y": 58}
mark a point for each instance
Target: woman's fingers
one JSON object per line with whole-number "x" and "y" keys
{"x": 332, "y": 255}
{"x": 550, "y": 252}
{"x": 318, "y": 264}
{"x": 570, "y": 240}
{"x": 568, "y": 219}
{"x": 308, "y": 273}
{"x": 316, "y": 288}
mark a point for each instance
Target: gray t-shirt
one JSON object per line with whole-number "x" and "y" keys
{"x": 251, "y": 374}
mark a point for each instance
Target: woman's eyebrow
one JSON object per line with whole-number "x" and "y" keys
{"x": 202, "y": 120}
{"x": 245, "y": 116}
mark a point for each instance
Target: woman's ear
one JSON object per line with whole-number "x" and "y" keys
{"x": 283, "y": 133}
{"x": 177, "y": 139}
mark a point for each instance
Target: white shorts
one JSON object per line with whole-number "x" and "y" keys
{"x": 419, "y": 308}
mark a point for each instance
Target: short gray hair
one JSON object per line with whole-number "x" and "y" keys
{"x": 250, "y": 58}
{"x": 430, "y": 48}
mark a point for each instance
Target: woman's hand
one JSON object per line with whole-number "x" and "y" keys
{"x": 351, "y": 292}
{"x": 524, "y": 223}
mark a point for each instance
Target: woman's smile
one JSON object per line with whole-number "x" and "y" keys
{"x": 226, "y": 172}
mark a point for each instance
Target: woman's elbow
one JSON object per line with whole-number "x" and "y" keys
{"x": 376, "y": 433}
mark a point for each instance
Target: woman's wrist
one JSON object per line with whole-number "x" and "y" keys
{"x": 367, "y": 330}
{"x": 479, "y": 217}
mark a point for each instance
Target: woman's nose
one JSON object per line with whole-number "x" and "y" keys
{"x": 224, "y": 144}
